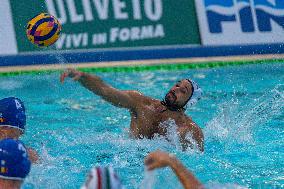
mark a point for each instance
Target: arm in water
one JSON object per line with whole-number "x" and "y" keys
{"x": 161, "y": 159}
{"x": 119, "y": 98}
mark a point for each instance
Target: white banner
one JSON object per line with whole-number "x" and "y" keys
{"x": 230, "y": 22}
{"x": 8, "y": 44}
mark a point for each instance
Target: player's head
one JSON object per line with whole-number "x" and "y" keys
{"x": 102, "y": 177}
{"x": 14, "y": 162}
{"x": 184, "y": 92}
{"x": 12, "y": 114}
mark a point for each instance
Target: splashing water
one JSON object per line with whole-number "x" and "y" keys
{"x": 236, "y": 121}
{"x": 243, "y": 142}
{"x": 173, "y": 138}
{"x": 216, "y": 185}
{"x": 172, "y": 135}
{"x": 149, "y": 180}
{"x": 10, "y": 85}
{"x": 61, "y": 60}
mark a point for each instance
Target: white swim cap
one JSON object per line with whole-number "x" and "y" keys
{"x": 196, "y": 93}
{"x": 101, "y": 178}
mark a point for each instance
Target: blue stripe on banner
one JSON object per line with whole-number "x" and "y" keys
{"x": 39, "y": 23}
{"x": 138, "y": 54}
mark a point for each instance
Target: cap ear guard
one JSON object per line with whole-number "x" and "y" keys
{"x": 196, "y": 93}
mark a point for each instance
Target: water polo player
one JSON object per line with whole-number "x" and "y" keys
{"x": 13, "y": 121}
{"x": 15, "y": 164}
{"x": 148, "y": 114}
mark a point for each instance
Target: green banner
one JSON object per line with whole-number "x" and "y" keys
{"x": 111, "y": 23}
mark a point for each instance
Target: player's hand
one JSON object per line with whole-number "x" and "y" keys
{"x": 33, "y": 155}
{"x": 157, "y": 159}
{"x": 72, "y": 73}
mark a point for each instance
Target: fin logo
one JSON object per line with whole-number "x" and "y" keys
{"x": 249, "y": 15}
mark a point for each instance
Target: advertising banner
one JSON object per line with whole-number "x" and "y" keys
{"x": 228, "y": 22}
{"x": 89, "y": 24}
{"x": 8, "y": 45}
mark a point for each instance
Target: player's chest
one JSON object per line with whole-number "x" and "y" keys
{"x": 157, "y": 114}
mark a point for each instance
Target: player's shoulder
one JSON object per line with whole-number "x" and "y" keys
{"x": 190, "y": 123}
{"x": 133, "y": 92}
{"x": 187, "y": 118}
{"x": 136, "y": 94}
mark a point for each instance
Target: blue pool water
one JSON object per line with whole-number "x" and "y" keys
{"x": 241, "y": 114}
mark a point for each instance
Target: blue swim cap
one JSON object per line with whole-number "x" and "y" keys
{"x": 14, "y": 161}
{"x": 12, "y": 113}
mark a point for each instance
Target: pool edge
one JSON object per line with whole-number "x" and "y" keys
{"x": 145, "y": 65}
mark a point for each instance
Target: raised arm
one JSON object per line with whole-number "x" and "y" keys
{"x": 119, "y": 98}
{"x": 161, "y": 159}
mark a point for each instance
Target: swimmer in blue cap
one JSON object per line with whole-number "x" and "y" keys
{"x": 148, "y": 115}
{"x": 14, "y": 164}
{"x": 13, "y": 121}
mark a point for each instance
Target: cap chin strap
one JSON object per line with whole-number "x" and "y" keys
{"x": 192, "y": 91}
{"x": 14, "y": 127}
{"x": 196, "y": 95}
{"x": 170, "y": 107}
{"x": 11, "y": 178}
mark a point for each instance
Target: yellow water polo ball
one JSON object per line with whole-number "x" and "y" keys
{"x": 43, "y": 30}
